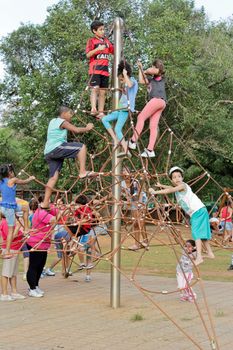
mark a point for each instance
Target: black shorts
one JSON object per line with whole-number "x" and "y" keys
{"x": 56, "y": 157}
{"x": 99, "y": 80}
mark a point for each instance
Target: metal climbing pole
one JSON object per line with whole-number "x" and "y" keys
{"x": 116, "y": 171}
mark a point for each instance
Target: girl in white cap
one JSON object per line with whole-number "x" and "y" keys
{"x": 193, "y": 206}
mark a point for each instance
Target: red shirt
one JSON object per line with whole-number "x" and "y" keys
{"x": 84, "y": 213}
{"x": 226, "y": 211}
{"x": 99, "y": 62}
{"x": 16, "y": 244}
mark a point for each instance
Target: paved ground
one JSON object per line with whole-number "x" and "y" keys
{"x": 76, "y": 315}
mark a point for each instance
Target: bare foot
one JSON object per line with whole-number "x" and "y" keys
{"x": 87, "y": 174}
{"x": 100, "y": 115}
{"x": 198, "y": 261}
{"x": 93, "y": 111}
{"x": 210, "y": 256}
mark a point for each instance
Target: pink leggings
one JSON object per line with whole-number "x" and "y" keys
{"x": 153, "y": 110}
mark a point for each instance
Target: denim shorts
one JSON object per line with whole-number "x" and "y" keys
{"x": 10, "y": 214}
{"x": 59, "y": 235}
{"x": 227, "y": 226}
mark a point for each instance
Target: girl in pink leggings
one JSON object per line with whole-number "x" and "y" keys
{"x": 153, "y": 109}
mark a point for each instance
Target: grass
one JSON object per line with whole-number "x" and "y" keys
{"x": 160, "y": 260}
{"x": 136, "y": 317}
{"x": 219, "y": 313}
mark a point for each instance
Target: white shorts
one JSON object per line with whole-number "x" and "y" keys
{"x": 10, "y": 266}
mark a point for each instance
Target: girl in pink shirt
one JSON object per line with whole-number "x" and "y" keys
{"x": 38, "y": 244}
{"x": 10, "y": 266}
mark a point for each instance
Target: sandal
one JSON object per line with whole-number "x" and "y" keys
{"x": 88, "y": 174}
{"x": 134, "y": 247}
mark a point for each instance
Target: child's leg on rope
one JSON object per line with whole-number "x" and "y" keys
{"x": 122, "y": 118}
{"x": 154, "y": 121}
{"x": 199, "y": 258}
{"x": 207, "y": 246}
{"x": 149, "y": 109}
{"x": 101, "y": 102}
{"x": 49, "y": 189}
{"x": 106, "y": 122}
{"x": 93, "y": 98}
{"x": 81, "y": 157}
{"x": 25, "y": 211}
{"x": 142, "y": 117}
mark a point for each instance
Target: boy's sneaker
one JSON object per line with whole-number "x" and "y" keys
{"x": 147, "y": 154}
{"x": 18, "y": 296}
{"x": 89, "y": 266}
{"x": 49, "y": 272}
{"x": 132, "y": 145}
{"x": 43, "y": 274}
{"x": 33, "y": 293}
{"x": 7, "y": 297}
{"x": 230, "y": 268}
{"x": 82, "y": 266}
{"x": 88, "y": 278}
{"x": 40, "y": 291}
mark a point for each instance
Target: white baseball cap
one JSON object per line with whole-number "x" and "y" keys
{"x": 175, "y": 168}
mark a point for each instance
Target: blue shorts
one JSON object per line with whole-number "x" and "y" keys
{"x": 56, "y": 157}
{"x": 227, "y": 226}
{"x": 10, "y": 214}
{"x": 61, "y": 234}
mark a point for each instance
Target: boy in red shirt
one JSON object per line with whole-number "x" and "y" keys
{"x": 98, "y": 49}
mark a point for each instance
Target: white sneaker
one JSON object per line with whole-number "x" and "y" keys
{"x": 18, "y": 296}
{"x": 148, "y": 154}
{"x": 43, "y": 274}
{"x": 7, "y": 297}
{"x": 33, "y": 293}
{"x": 49, "y": 272}
{"x": 88, "y": 278}
{"x": 40, "y": 291}
{"x": 132, "y": 145}
{"x": 82, "y": 266}
{"x": 89, "y": 266}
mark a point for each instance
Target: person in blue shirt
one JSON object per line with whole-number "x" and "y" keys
{"x": 8, "y": 204}
{"x": 129, "y": 92}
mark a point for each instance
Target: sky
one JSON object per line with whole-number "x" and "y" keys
{"x": 15, "y": 12}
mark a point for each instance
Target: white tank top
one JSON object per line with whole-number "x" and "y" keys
{"x": 188, "y": 200}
